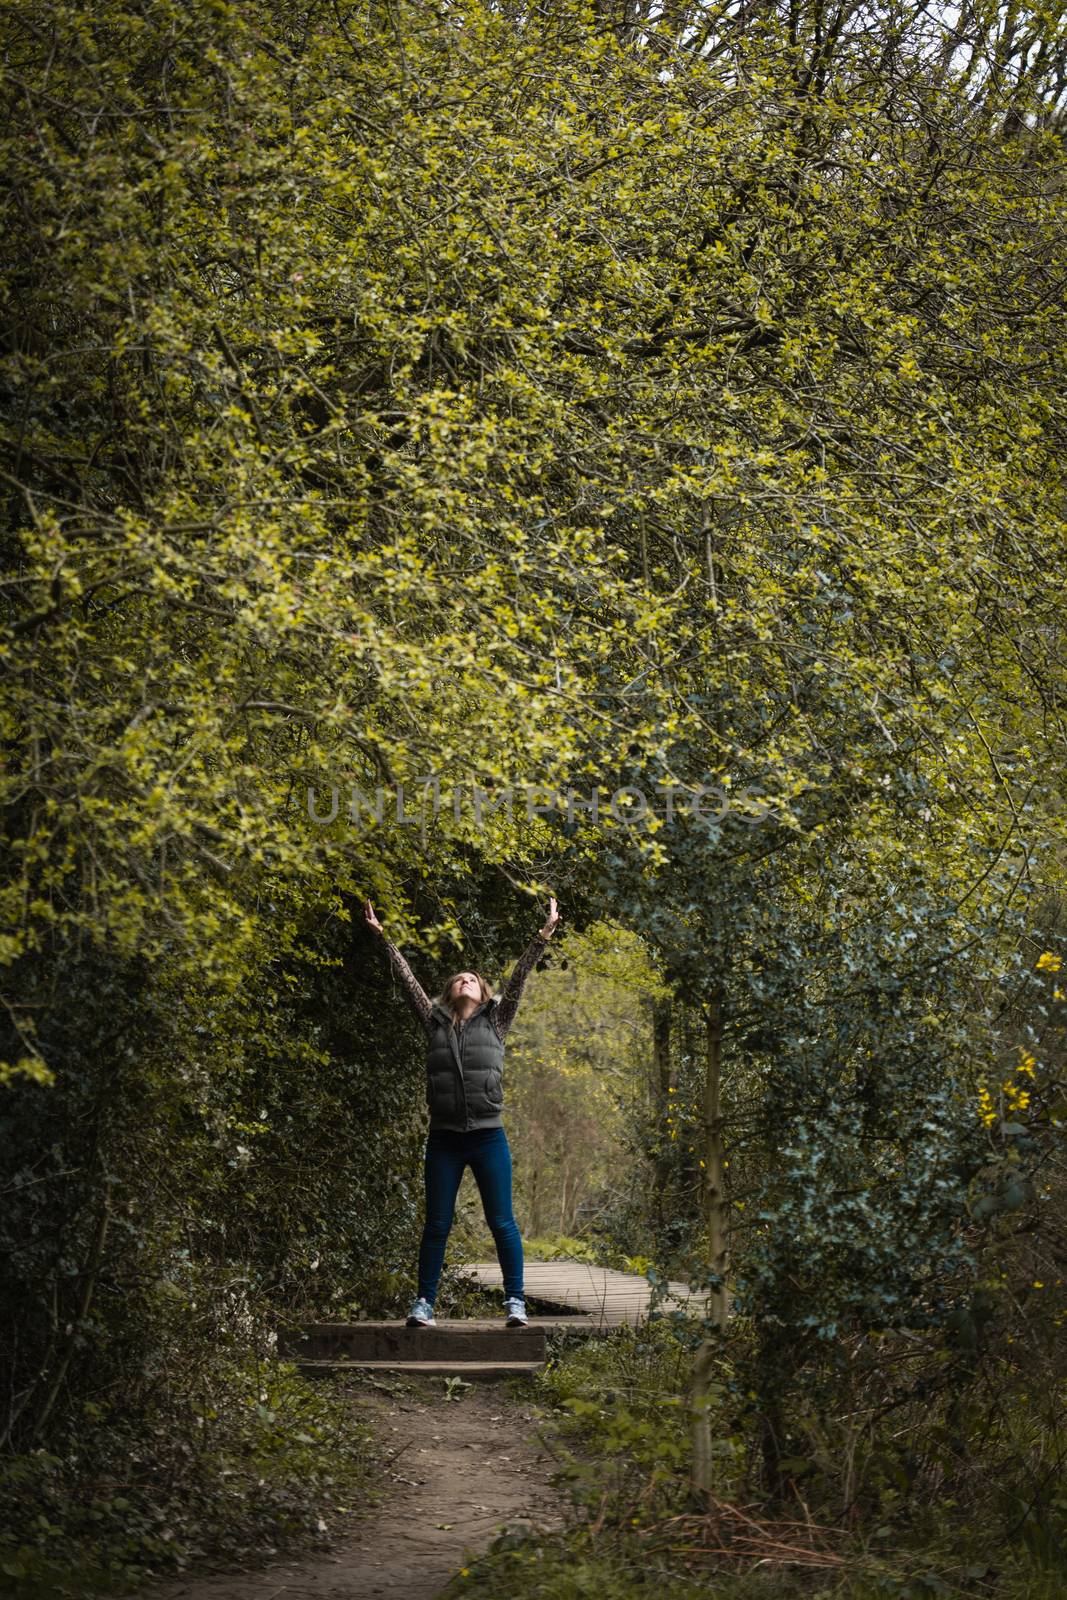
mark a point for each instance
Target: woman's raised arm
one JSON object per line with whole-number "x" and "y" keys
{"x": 511, "y": 994}
{"x": 417, "y": 997}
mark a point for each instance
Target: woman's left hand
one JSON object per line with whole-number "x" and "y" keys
{"x": 553, "y": 918}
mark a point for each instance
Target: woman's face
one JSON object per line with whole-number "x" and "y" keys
{"x": 465, "y": 984}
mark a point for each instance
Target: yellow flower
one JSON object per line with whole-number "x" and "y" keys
{"x": 1038, "y": 1285}
{"x": 1057, "y": 994}
{"x": 1048, "y": 962}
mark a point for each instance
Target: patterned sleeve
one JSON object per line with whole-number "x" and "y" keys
{"x": 504, "y": 1013}
{"x": 414, "y": 991}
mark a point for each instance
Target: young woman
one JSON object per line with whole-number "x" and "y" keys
{"x": 465, "y": 1026}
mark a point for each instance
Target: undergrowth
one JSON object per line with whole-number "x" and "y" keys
{"x": 614, "y": 1415}
{"x": 264, "y": 1466}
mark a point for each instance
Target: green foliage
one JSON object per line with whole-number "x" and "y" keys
{"x": 561, "y": 1567}
{"x": 579, "y": 1566}
{"x": 577, "y": 1068}
{"x": 390, "y": 396}
{"x": 560, "y": 1248}
{"x": 259, "y": 1460}
{"x": 925, "y": 1520}
{"x": 620, "y": 1401}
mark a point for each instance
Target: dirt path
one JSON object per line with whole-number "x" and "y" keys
{"x": 464, "y": 1469}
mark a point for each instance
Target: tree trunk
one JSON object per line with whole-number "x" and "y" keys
{"x": 713, "y": 1212}
{"x": 661, "y": 1087}
{"x": 90, "y": 1273}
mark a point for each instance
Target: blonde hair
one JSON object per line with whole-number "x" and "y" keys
{"x": 444, "y": 998}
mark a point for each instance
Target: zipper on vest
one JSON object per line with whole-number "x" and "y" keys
{"x": 461, "y": 1034}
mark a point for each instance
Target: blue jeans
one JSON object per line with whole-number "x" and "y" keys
{"x": 487, "y": 1152}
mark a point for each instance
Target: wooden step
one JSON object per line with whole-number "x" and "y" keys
{"x": 451, "y": 1341}
{"x": 472, "y": 1371}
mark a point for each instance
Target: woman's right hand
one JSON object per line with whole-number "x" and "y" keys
{"x": 553, "y": 917}
{"x": 370, "y": 919}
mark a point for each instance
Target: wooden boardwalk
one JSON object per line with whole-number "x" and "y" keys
{"x": 582, "y": 1299}
{"x": 605, "y": 1298}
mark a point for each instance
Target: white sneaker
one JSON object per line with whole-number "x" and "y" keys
{"x": 421, "y": 1315}
{"x": 515, "y": 1312}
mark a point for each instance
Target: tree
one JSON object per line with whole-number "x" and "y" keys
{"x": 553, "y": 397}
